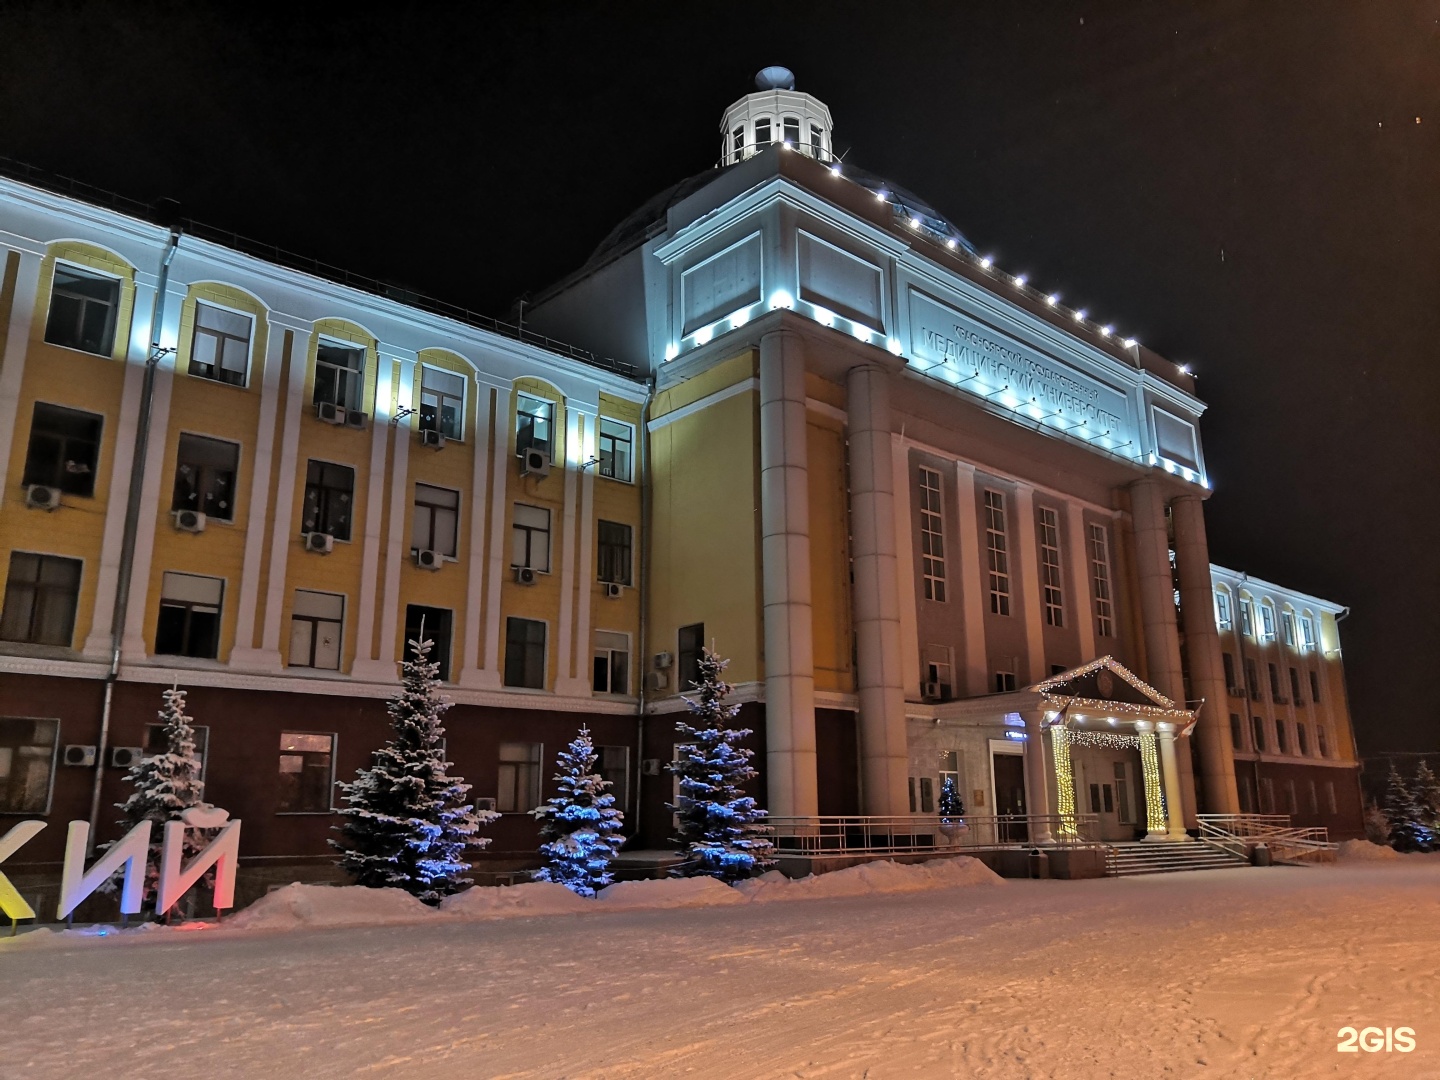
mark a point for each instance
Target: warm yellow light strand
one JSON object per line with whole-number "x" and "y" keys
{"x": 1155, "y": 817}
{"x": 1064, "y": 782}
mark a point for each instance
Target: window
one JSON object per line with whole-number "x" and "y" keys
{"x": 64, "y": 449}
{"x": 1292, "y": 805}
{"x": 436, "y": 522}
{"x": 1100, "y": 571}
{"x": 41, "y": 592}
{"x": 1295, "y": 694}
{"x": 817, "y": 145}
{"x": 1252, "y": 678}
{"x": 1330, "y": 804}
{"x": 612, "y": 663}
{"x": 791, "y": 128}
{"x": 316, "y": 624}
{"x": 932, "y": 535}
{"x": 1315, "y": 688}
{"x": 27, "y": 763}
{"x": 1257, "y": 731}
{"x": 525, "y": 653}
{"x": 762, "y": 133}
{"x": 534, "y": 421}
{"x": 999, "y": 561}
{"x": 1307, "y": 633}
{"x": 1287, "y": 623}
{"x": 530, "y": 538}
{"x": 155, "y": 743}
{"x": 1122, "y": 793}
{"x": 1247, "y": 621}
{"x": 616, "y": 443}
{"x": 306, "y": 773}
{"x": 83, "y": 307}
{"x": 1004, "y": 682}
{"x": 1222, "y": 610}
{"x": 339, "y": 375}
{"x": 1237, "y": 735}
{"x": 1267, "y": 622}
{"x": 691, "y": 645}
{"x": 1050, "y": 567}
{"x": 1267, "y": 795}
{"x": 927, "y": 795}
{"x": 939, "y": 670}
{"x": 205, "y": 476}
{"x": 1274, "y": 673}
{"x": 1229, "y": 662}
{"x": 613, "y": 560}
{"x": 950, "y": 770}
{"x": 1282, "y": 742}
{"x": 519, "y": 791}
{"x": 189, "y": 623}
{"x": 220, "y": 349}
{"x": 1302, "y": 740}
{"x": 329, "y": 499}
{"x": 613, "y": 765}
{"x": 442, "y": 402}
{"x": 1322, "y": 741}
{"x": 434, "y": 623}
{"x": 737, "y": 143}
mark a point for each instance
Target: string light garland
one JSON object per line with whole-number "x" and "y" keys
{"x": 1156, "y": 820}
{"x": 1064, "y": 782}
{"x": 1108, "y": 740}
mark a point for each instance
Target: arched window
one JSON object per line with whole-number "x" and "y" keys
{"x": 790, "y": 126}
{"x": 762, "y": 133}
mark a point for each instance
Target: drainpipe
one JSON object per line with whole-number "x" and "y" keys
{"x": 644, "y": 586}
{"x": 132, "y": 528}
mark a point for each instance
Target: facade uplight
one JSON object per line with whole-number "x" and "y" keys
{"x": 950, "y": 243}
{"x": 1020, "y": 280}
{"x": 1080, "y": 315}
{"x": 781, "y": 299}
{"x": 1106, "y": 331}
{"x": 894, "y": 346}
{"x": 671, "y": 351}
{"x": 1052, "y": 299}
{"x": 1130, "y": 343}
{"x": 1184, "y": 369}
{"x": 835, "y": 169}
{"x": 704, "y": 334}
{"x": 914, "y": 223}
{"x": 986, "y": 263}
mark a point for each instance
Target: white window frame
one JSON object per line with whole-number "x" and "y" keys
{"x": 1267, "y": 621}
{"x": 54, "y": 764}
{"x": 316, "y": 621}
{"x": 940, "y": 668}
{"x": 600, "y": 439}
{"x": 1222, "y": 610}
{"x": 92, "y": 272}
{"x": 932, "y": 534}
{"x": 441, "y": 396}
{"x": 1287, "y": 626}
{"x": 1100, "y": 580}
{"x": 997, "y": 552}
{"x": 535, "y": 789}
{"x": 1307, "y": 633}
{"x": 1053, "y": 590}
{"x": 221, "y": 337}
{"x": 356, "y": 399}
{"x": 530, "y": 532}
{"x": 334, "y": 738}
{"x": 608, "y": 653}
{"x": 431, "y": 508}
{"x": 552, "y": 420}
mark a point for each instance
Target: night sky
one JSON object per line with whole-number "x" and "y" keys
{"x": 1249, "y": 188}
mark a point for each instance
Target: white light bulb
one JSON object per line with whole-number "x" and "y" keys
{"x": 1130, "y": 343}
{"x": 1106, "y": 331}
{"x": 1052, "y": 299}
{"x": 880, "y": 195}
{"x": 671, "y": 351}
{"x": 1020, "y": 280}
{"x": 950, "y": 243}
{"x": 894, "y": 346}
{"x": 986, "y": 263}
{"x": 703, "y": 335}
{"x": 914, "y": 223}
{"x": 835, "y": 169}
{"x": 1080, "y": 315}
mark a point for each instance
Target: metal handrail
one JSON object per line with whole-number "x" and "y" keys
{"x": 912, "y": 833}
{"x": 1233, "y": 832}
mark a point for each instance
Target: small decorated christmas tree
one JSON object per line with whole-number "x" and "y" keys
{"x": 581, "y": 824}
{"x": 1402, "y": 813}
{"x": 166, "y": 785}
{"x": 408, "y": 822}
{"x": 952, "y": 807}
{"x": 721, "y": 830}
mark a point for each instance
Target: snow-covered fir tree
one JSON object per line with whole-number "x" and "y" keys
{"x": 581, "y": 826}
{"x": 1426, "y": 790}
{"x": 1403, "y": 814}
{"x": 721, "y": 832}
{"x": 407, "y": 822}
{"x": 166, "y": 785}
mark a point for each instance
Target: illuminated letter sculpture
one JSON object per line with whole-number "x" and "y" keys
{"x": 11, "y": 902}
{"x": 76, "y": 884}
{"x": 222, "y": 853}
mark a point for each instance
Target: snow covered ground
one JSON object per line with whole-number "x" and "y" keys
{"x": 1231, "y": 973}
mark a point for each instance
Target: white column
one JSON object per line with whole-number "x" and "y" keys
{"x": 369, "y": 655}
{"x": 1079, "y": 599}
{"x": 905, "y": 568}
{"x": 1157, "y": 589}
{"x": 880, "y": 674}
{"x": 1037, "y": 784}
{"x": 1025, "y": 572}
{"x": 16, "y": 345}
{"x": 585, "y": 573}
{"x": 490, "y": 674}
{"x": 281, "y": 540}
{"x": 245, "y": 654}
{"x": 565, "y": 624}
{"x": 785, "y": 554}
{"x": 400, "y": 501}
{"x": 972, "y": 582}
{"x": 1170, "y": 774}
{"x": 475, "y": 538}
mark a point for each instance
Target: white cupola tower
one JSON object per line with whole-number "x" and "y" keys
{"x": 775, "y": 113}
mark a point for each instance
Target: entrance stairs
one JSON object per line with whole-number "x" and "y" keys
{"x": 1128, "y": 859}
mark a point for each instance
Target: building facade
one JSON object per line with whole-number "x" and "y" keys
{"x": 941, "y": 523}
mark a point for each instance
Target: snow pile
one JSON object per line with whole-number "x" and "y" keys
{"x": 1365, "y": 851}
{"x": 321, "y": 906}
{"x": 668, "y": 893}
{"x": 498, "y": 902}
{"x": 873, "y": 878}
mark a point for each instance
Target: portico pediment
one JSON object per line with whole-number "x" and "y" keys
{"x": 1106, "y": 684}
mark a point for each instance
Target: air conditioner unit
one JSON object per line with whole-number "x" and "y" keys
{"x": 485, "y": 805}
{"x": 126, "y": 757}
{"x": 535, "y": 462}
{"x": 933, "y": 691}
{"x": 656, "y": 680}
{"x": 525, "y": 575}
{"x": 190, "y": 521}
{"x": 650, "y": 766}
{"x": 429, "y": 560}
{"x": 614, "y": 590}
{"x": 76, "y": 754}
{"x": 324, "y": 543}
{"x": 355, "y": 419}
{"x": 429, "y": 437}
{"x": 329, "y": 413}
{"x": 663, "y": 660}
{"x": 42, "y": 497}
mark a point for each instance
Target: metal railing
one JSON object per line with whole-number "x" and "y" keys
{"x": 1238, "y": 833}
{"x": 920, "y": 833}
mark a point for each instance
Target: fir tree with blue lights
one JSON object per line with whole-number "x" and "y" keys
{"x": 582, "y": 827}
{"x": 1403, "y": 813}
{"x": 407, "y": 822}
{"x": 721, "y": 832}
{"x": 952, "y": 807}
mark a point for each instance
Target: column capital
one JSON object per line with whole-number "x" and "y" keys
{"x": 1145, "y": 727}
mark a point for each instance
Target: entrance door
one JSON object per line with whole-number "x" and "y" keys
{"x": 1010, "y": 797}
{"x": 1107, "y": 786}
